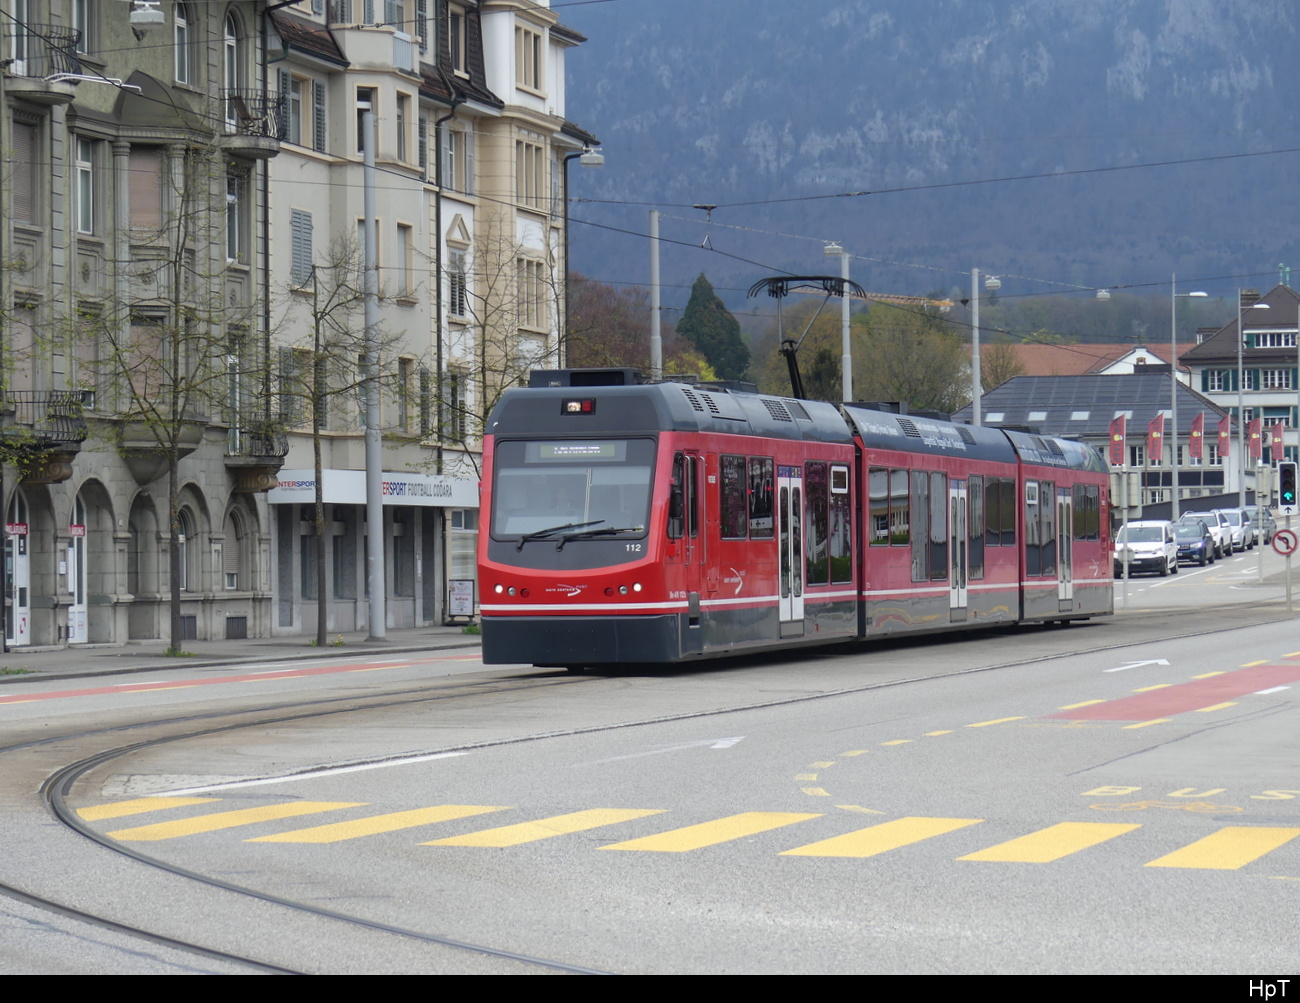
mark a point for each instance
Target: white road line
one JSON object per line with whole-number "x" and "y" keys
{"x": 309, "y": 774}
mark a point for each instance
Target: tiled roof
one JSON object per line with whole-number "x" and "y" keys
{"x": 308, "y": 37}
{"x": 1221, "y": 347}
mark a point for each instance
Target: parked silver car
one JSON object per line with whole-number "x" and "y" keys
{"x": 1239, "y": 529}
{"x": 1262, "y": 522}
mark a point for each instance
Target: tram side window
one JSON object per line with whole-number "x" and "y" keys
{"x": 975, "y": 520}
{"x": 1047, "y": 510}
{"x": 1033, "y": 530}
{"x": 1000, "y": 502}
{"x": 878, "y": 489}
{"x": 841, "y": 526}
{"x": 816, "y": 537}
{"x": 762, "y": 480}
{"x": 735, "y": 514}
{"x": 677, "y": 498}
{"x": 938, "y": 527}
{"x": 920, "y": 527}
{"x": 899, "y": 518}
{"x": 1087, "y": 512}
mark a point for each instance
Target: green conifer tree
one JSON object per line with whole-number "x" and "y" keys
{"x": 709, "y": 325}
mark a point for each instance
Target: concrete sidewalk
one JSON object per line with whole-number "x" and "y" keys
{"x": 29, "y": 665}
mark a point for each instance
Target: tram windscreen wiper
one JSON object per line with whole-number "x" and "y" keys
{"x": 588, "y": 534}
{"x": 542, "y": 534}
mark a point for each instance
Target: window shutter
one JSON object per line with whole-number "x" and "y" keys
{"x": 301, "y": 233}
{"x": 369, "y": 9}
{"x": 422, "y": 24}
{"x": 467, "y": 182}
{"x": 24, "y": 174}
{"x": 146, "y": 187}
{"x": 422, "y": 144}
{"x": 318, "y": 116}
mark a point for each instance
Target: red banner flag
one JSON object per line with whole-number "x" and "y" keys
{"x": 1225, "y": 436}
{"x": 1255, "y": 433}
{"x": 1196, "y": 444}
{"x": 1156, "y": 438}
{"x": 1278, "y": 447}
{"x": 1119, "y": 440}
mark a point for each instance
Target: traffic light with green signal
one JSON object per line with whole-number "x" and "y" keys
{"x": 1286, "y": 480}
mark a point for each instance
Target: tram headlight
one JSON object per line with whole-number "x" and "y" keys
{"x": 499, "y": 589}
{"x": 636, "y": 586}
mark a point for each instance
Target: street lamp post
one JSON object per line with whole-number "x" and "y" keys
{"x": 846, "y": 350}
{"x": 1173, "y": 387}
{"x": 992, "y": 283}
{"x": 1241, "y": 410}
{"x": 587, "y": 158}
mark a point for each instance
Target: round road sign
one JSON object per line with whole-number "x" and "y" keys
{"x": 1284, "y": 542}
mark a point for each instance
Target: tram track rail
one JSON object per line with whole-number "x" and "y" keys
{"x": 97, "y": 747}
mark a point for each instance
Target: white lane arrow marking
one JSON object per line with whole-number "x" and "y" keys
{"x": 1138, "y": 665}
{"x": 711, "y": 743}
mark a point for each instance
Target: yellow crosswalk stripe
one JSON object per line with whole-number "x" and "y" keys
{"x": 138, "y": 806}
{"x": 1231, "y": 847}
{"x": 228, "y": 820}
{"x": 545, "y": 828}
{"x": 335, "y": 832}
{"x": 882, "y": 838}
{"x": 1052, "y": 843}
{"x": 722, "y": 830}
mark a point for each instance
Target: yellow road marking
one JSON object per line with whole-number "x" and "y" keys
{"x": 1085, "y": 703}
{"x": 897, "y": 741}
{"x": 336, "y": 831}
{"x": 881, "y": 838}
{"x": 722, "y": 830}
{"x": 1052, "y": 843}
{"x": 816, "y": 792}
{"x": 1217, "y": 706}
{"x": 1148, "y": 689}
{"x": 933, "y": 734}
{"x": 1291, "y": 654}
{"x": 821, "y": 766}
{"x": 229, "y": 819}
{"x": 137, "y": 807}
{"x": 805, "y": 776}
{"x": 855, "y": 752}
{"x": 1000, "y": 720}
{"x": 1228, "y": 849}
{"x": 1147, "y": 724}
{"x": 1207, "y": 675}
{"x": 545, "y": 828}
{"x": 1251, "y": 665}
{"x": 859, "y": 808}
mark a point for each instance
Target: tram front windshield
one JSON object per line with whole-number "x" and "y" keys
{"x": 550, "y": 485}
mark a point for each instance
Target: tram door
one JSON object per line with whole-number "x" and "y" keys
{"x": 789, "y": 516}
{"x": 958, "y": 551}
{"x": 686, "y": 528}
{"x": 18, "y": 575}
{"x": 1064, "y": 552}
{"x": 78, "y": 629}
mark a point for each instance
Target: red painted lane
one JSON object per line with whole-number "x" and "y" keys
{"x": 180, "y": 684}
{"x": 1187, "y": 696}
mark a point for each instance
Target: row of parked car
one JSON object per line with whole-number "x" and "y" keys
{"x": 1157, "y": 545}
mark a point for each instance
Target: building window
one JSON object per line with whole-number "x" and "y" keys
{"x": 85, "y": 168}
{"x": 1276, "y": 379}
{"x": 462, "y": 544}
{"x": 532, "y": 293}
{"x": 454, "y": 407}
{"x": 1274, "y": 339}
{"x": 186, "y": 546}
{"x": 528, "y": 57}
{"x": 23, "y": 173}
{"x": 231, "y": 565}
{"x": 531, "y": 183}
{"x": 457, "y": 284}
{"x": 146, "y": 187}
{"x": 305, "y": 104}
{"x": 1216, "y": 380}
{"x": 405, "y": 256}
{"x": 407, "y": 392}
{"x": 366, "y": 101}
{"x": 456, "y": 39}
{"x": 458, "y": 159}
{"x": 403, "y": 126}
{"x": 236, "y": 218}
{"x": 183, "y": 42}
{"x": 83, "y": 20}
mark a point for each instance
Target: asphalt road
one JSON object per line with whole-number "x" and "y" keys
{"x": 1117, "y": 797}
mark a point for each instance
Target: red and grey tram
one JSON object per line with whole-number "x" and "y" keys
{"x": 658, "y": 523}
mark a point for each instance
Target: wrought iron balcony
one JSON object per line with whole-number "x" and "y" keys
{"x": 50, "y": 417}
{"x": 256, "y": 122}
{"x": 35, "y": 57}
{"x": 255, "y": 452}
